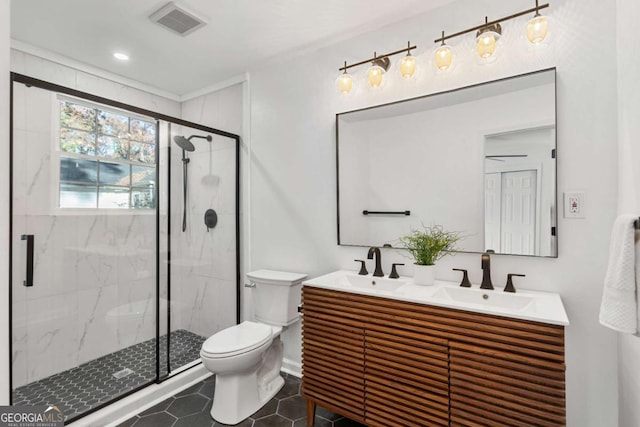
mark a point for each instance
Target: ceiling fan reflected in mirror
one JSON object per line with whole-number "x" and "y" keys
{"x": 501, "y": 157}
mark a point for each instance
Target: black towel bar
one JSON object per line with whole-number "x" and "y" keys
{"x": 407, "y": 213}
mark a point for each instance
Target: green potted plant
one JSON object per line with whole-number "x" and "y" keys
{"x": 427, "y": 246}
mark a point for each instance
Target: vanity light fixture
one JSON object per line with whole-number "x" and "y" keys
{"x": 408, "y": 64}
{"x": 487, "y": 35}
{"x": 487, "y": 38}
{"x": 443, "y": 56}
{"x": 379, "y": 66}
{"x": 537, "y": 27}
{"x": 345, "y": 82}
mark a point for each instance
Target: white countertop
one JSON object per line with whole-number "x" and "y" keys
{"x": 545, "y": 307}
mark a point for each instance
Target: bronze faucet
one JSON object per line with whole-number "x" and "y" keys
{"x": 376, "y": 251}
{"x": 486, "y": 270}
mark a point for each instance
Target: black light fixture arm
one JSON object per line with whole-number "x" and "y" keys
{"x": 490, "y": 23}
{"x": 377, "y": 57}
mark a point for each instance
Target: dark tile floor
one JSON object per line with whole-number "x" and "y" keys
{"x": 191, "y": 407}
{"x": 93, "y": 384}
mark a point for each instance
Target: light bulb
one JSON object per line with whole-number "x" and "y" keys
{"x": 486, "y": 39}
{"x": 486, "y": 44}
{"x": 408, "y": 66}
{"x": 375, "y": 75}
{"x": 537, "y": 29}
{"x": 444, "y": 56}
{"x": 345, "y": 83}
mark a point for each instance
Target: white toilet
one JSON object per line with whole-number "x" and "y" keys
{"x": 247, "y": 358}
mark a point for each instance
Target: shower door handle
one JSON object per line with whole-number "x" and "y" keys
{"x": 29, "y": 238}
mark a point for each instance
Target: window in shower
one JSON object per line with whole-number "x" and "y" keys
{"x": 106, "y": 158}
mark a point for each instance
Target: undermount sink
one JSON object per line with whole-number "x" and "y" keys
{"x": 489, "y": 298}
{"x": 374, "y": 283}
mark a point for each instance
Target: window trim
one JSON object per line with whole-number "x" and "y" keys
{"x": 57, "y": 154}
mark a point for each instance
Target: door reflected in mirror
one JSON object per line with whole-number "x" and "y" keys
{"x": 479, "y": 160}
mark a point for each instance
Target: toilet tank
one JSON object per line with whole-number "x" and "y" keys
{"x": 276, "y": 296}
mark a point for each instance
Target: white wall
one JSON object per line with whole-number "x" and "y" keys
{"x": 4, "y": 201}
{"x": 629, "y": 187}
{"x": 293, "y": 215}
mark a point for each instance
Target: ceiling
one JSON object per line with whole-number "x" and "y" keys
{"x": 240, "y": 35}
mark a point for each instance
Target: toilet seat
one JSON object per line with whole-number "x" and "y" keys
{"x": 236, "y": 340}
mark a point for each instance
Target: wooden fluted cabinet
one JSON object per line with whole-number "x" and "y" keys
{"x": 389, "y": 363}
{"x": 333, "y": 365}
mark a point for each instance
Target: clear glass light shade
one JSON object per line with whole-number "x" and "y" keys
{"x": 443, "y": 57}
{"x": 486, "y": 44}
{"x": 537, "y": 29}
{"x": 345, "y": 83}
{"x": 408, "y": 66}
{"x": 374, "y": 75}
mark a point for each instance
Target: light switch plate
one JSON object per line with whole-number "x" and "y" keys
{"x": 574, "y": 204}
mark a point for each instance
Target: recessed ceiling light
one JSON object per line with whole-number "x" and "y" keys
{"x": 121, "y": 56}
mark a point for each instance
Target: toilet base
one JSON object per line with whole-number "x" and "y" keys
{"x": 240, "y": 398}
{"x": 237, "y": 396}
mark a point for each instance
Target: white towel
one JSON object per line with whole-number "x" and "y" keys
{"x": 619, "y": 308}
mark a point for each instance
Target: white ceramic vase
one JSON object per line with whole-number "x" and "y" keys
{"x": 423, "y": 274}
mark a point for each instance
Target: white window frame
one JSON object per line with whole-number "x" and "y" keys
{"x": 57, "y": 154}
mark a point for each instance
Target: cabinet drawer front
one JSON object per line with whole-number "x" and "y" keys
{"x": 408, "y": 345}
{"x": 418, "y": 379}
{"x": 429, "y": 378}
{"x": 336, "y": 402}
{"x": 491, "y": 388}
{"x": 404, "y": 404}
{"x": 467, "y": 415}
{"x": 333, "y": 357}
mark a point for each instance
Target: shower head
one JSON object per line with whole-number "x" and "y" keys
{"x": 184, "y": 143}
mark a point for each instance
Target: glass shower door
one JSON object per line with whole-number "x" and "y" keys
{"x": 83, "y": 251}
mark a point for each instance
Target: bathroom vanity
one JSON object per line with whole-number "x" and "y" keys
{"x": 390, "y": 353}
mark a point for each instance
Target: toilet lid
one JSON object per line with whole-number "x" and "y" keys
{"x": 237, "y": 339}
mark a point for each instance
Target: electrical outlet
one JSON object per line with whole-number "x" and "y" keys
{"x": 574, "y": 205}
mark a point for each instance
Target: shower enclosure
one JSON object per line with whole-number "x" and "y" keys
{"x": 116, "y": 280}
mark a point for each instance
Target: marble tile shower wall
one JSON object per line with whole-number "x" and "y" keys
{"x": 203, "y": 281}
{"x": 85, "y": 265}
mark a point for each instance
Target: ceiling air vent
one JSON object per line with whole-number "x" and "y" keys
{"x": 177, "y": 19}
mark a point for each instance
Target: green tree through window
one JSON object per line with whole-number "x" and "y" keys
{"x": 107, "y": 159}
